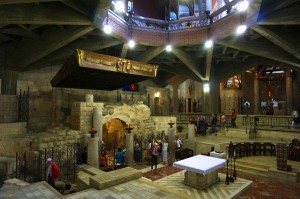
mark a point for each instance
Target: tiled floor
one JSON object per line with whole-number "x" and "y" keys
{"x": 167, "y": 182}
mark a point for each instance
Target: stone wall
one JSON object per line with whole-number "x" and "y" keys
{"x": 82, "y": 115}
{"x": 9, "y": 108}
{"x": 12, "y": 129}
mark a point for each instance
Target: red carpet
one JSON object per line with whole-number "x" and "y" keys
{"x": 262, "y": 188}
{"x": 160, "y": 173}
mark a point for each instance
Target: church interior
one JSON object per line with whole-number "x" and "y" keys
{"x": 200, "y": 98}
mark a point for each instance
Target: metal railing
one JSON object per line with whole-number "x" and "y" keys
{"x": 186, "y": 22}
{"x": 243, "y": 121}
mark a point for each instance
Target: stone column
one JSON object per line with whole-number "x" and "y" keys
{"x": 97, "y": 121}
{"x": 93, "y": 154}
{"x": 171, "y": 140}
{"x": 175, "y": 99}
{"x": 256, "y": 96}
{"x": 211, "y": 98}
{"x": 289, "y": 93}
{"x": 129, "y": 149}
{"x": 89, "y": 98}
{"x": 191, "y": 134}
{"x": 9, "y": 82}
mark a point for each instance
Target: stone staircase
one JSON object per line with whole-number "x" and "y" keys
{"x": 251, "y": 168}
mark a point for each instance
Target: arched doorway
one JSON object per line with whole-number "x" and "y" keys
{"x": 113, "y": 137}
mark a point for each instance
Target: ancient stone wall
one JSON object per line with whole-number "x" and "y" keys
{"x": 9, "y": 108}
{"x": 12, "y": 129}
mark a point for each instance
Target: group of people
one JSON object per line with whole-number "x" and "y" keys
{"x": 201, "y": 124}
{"x": 158, "y": 150}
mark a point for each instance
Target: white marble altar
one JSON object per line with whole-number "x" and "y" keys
{"x": 201, "y": 171}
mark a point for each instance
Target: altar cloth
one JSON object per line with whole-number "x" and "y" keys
{"x": 200, "y": 164}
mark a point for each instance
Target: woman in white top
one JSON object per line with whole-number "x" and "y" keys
{"x": 164, "y": 151}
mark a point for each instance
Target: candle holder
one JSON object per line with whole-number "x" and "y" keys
{"x": 171, "y": 124}
{"x": 129, "y": 128}
{"x": 92, "y": 132}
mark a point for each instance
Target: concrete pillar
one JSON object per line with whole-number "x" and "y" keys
{"x": 256, "y": 97}
{"x": 171, "y": 144}
{"x": 175, "y": 99}
{"x": 129, "y": 149}
{"x": 93, "y": 154}
{"x": 211, "y": 98}
{"x": 191, "y": 136}
{"x": 9, "y": 82}
{"x": 289, "y": 94}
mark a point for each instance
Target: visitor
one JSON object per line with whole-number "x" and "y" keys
{"x": 62, "y": 186}
{"x": 120, "y": 159}
{"x": 154, "y": 150}
{"x": 202, "y": 126}
{"x": 164, "y": 151}
{"x": 214, "y": 123}
{"x": 233, "y": 118}
{"x": 178, "y": 143}
{"x": 275, "y": 107}
{"x": 52, "y": 172}
{"x": 103, "y": 159}
{"x": 223, "y": 121}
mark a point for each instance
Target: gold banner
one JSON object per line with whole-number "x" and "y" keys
{"x": 115, "y": 63}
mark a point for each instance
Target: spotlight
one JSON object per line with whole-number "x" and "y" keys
{"x": 119, "y": 6}
{"x": 241, "y": 29}
{"x": 168, "y": 48}
{"x": 243, "y": 5}
{"x": 206, "y": 87}
{"x": 131, "y": 43}
{"x": 208, "y": 43}
{"x": 107, "y": 29}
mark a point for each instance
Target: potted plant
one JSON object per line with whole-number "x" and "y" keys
{"x": 180, "y": 128}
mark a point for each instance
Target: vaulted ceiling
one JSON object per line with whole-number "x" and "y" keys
{"x": 39, "y": 33}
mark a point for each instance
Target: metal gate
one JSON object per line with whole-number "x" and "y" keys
{"x": 31, "y": 165}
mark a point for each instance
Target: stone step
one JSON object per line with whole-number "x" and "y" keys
{"x": 91, "y": 170}
{"x": 83, "y": 180}
{"x": 250, "y": 168}
{"x": 241, "y": 162}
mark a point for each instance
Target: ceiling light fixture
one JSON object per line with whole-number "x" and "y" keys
{"x": 243, "y": 5}
{"x": 208, "y": 43}
{"x": 119, "y": 6}
{"x": 168, "y": 48}
{"x": 131, "y": 43}
{"x": 206, "y": 88}
{"x": 241, "y": 29}
{"x": 107, "y": 28}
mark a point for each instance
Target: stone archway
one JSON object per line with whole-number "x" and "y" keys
{"x": 113, "y": 134}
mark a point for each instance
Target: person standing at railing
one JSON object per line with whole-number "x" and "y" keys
{"x": 223, "y": 121}
{"x": 214, "y": 123}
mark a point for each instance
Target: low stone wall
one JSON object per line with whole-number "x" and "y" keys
{"x": 55, "y": 137}
{"x": 13, "y": 129}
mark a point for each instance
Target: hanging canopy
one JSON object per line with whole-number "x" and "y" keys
{"x": 89, "y": 70}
